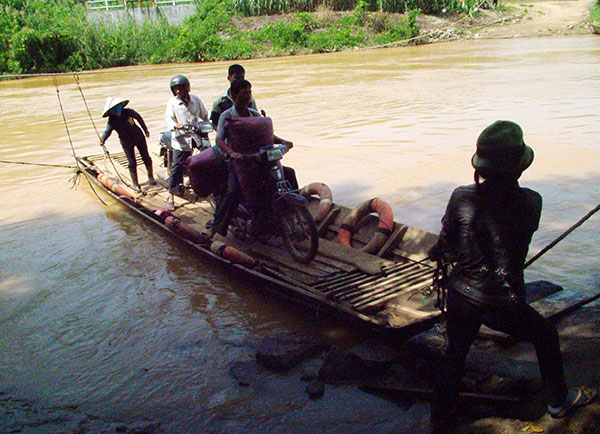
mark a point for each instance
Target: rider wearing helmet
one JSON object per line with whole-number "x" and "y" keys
{"x": 180, "y": 80}
{"x": 183, "y": 108}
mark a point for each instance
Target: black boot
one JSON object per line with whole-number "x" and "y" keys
{"x": 134, "y": 180}
{"x": 151, "y": 179}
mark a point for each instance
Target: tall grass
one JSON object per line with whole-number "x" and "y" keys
{"x": 272, "y": 7}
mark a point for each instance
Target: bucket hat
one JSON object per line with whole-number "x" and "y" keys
{"x": 112, "y": 102}
{"x": 501, "y": 149}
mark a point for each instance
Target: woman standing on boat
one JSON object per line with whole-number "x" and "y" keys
{"x": 122, "y": 120}
{"x": 485, "y": 235}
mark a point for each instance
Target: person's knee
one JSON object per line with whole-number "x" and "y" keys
{"x": 545, "y": 334}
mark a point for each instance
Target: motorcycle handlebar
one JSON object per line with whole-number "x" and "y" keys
{"x": 263, "y": 151}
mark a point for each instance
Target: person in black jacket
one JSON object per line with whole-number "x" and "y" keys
{"x": 485, "y": 236}
{"x": 122, "y": 120}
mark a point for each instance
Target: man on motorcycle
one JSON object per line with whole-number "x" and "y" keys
{"x": 182, "y": 109}
{"x": 241, "y": 92}
{"x": 225, "y": 101}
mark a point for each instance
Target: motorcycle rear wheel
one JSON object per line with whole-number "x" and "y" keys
{"x": 299, "y": 233}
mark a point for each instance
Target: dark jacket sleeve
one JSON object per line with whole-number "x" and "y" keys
{"x": 106, "y": 134}
{"x": 138, "y": 118}
{"x": 448, "y": 234}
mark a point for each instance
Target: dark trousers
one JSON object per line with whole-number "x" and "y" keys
{"x": 463, "y": 320}
{"x": 177, "y": 170}
{"x": 228, "y": 203}
{"x": 129, "y": 149}
{"x": 230, "y": 200}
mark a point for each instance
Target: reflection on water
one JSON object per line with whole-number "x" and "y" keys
{"x": 104, "y": 311}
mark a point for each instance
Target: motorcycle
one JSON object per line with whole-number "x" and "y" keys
{"x": 272, "y": 207}
{"x": 199, "y": 133}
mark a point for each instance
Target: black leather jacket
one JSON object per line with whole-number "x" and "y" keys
{"x": 486, "y": 232}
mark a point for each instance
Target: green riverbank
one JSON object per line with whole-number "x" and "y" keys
{"x": 54, "y": 35}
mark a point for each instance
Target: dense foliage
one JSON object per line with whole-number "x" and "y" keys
{"x": 55, "y": 35}
{"x": 595, "y": 12}
{"x": 270, "y": 7}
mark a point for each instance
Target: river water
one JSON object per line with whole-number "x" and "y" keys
{"x": 100, "y": 311}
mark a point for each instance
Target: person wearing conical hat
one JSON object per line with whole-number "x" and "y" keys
{"x": 123, "y": 121}
{"x": 485, "y": 236}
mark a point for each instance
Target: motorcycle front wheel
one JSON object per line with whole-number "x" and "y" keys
{"x": 299, "y": 233}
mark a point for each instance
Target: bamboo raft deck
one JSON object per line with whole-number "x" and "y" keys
{"x": 389, "y": 292}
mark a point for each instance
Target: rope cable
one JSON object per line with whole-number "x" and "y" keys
{"x": 75, "y": 177}
{"x": 38, "y": 164}
{"x": 562, "y": 236}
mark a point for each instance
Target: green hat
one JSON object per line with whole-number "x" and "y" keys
{"x": 501, "y": 149}
{"x": 112, "y": 102}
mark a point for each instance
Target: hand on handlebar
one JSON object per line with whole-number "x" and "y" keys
{"x": 236, "y": 155}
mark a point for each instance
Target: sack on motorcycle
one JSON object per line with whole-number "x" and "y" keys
{"x": 207, "y": 172}
{"x": 248, "y": 135}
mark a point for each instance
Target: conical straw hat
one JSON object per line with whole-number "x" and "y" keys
{"x": 111, "y": 102}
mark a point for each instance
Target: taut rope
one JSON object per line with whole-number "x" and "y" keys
{"x": 38, "y": 164}
{"x": 562, "y": 236}
{"x": 78, "y": 171}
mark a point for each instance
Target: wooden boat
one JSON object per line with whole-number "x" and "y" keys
{"x": 388, "y": 291}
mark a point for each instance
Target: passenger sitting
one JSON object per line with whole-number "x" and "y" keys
{"x": 241, "y": 93}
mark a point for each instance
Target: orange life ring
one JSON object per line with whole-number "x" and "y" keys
{"x": 384, "y": 227}
{"x": 325, "y": 196}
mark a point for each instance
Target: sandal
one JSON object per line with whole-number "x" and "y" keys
{"x": 170, "y": 206}
{"x": 577, "y": 397}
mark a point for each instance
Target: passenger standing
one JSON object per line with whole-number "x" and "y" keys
{"x": 183, "y": 108}
{"x": 486, "y": 231}
{"x": 122, "y": 120}
{"x": 225, "y": 101}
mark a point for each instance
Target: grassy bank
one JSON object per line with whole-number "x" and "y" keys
{"x": 595, "y": 13}
{"x": 53, "y": 35}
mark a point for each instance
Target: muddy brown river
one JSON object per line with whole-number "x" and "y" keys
{"x": 101, "y": 311}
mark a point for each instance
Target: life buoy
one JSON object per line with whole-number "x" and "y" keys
{"x": 384, "y": 227}
{"x": 114, "y": 186}
{"x": 325, "y": 196}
